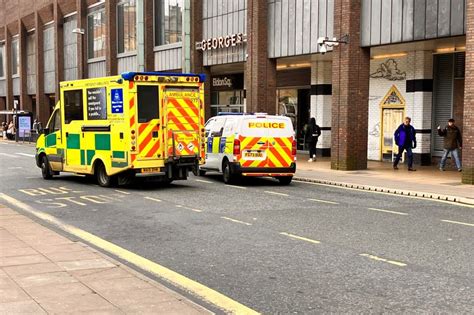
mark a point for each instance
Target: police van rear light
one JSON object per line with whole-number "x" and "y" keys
{"x": 236, "y": 147}
{"x": 293, "y": 148}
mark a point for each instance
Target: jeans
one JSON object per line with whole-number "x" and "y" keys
{"x": 454, "y": 155}
{"x": 409, "y": 156}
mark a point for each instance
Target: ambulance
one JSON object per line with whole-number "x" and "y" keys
{"x": 116, "y": 128}
{"x": 250, "y": 145}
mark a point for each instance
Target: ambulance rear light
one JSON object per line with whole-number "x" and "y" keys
{"x": 133, "y": 148}
{"x": 133, "y": 132}
{"x": 293, "y": 148}
{"x": 236, "y": 146}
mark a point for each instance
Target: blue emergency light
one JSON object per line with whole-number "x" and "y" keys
{"x": 130, "y": 75}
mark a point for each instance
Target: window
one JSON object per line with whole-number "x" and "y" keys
{"x": 147, "y": 103}
{"x": 168, "y": 21}
{"x": 2, "y": 71}
{"x": 15, "y": 57}
{"x": 55, "y": 123}
{"x": 96, "y": 34}
{"x": 217, "y": 128}
{"x": 73, "y": 106}
{"x": 127, "y": 26}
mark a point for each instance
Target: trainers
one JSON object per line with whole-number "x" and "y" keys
{"x": 411, "y": 169}
{"x": 459, "y": 169}
{"x": 395, "y": 167}
{"x": 441, "y": 169}
{"x": 310, "y": 160}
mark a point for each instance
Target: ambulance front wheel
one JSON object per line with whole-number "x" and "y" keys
{"x": 285, "y": 180}
{"x": 46, "y": 171}
{"x": 103, "y": 179}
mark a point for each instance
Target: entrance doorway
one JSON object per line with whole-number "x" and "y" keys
{"x": 391, "y": 118}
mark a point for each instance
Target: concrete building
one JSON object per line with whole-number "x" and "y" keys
{"x": 401, "y": 58}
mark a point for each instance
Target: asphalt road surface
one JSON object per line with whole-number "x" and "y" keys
{"x": 302, "y": 248}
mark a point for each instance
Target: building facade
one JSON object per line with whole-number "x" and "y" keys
{"x": 399, "y": 58}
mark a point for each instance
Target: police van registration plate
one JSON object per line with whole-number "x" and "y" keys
{"x": 151, "y": 170}
{"x": 254, "y": 155}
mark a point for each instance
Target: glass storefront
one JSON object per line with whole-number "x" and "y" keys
{"x": 295, "y": 103}
{"x": 227, "y": 93}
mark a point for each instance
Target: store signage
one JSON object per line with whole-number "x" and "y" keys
{"x": 221, "y": 81}
{"x": 228, "y": 82}
{"x": 227, "y": 41}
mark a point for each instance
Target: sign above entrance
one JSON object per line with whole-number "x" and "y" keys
{"x": 227, "y": 41}
{"x": 393, "y": 98}
{"x": 227, "y": 82}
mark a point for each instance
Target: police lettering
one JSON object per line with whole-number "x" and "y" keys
{"x": 272, "y": 125}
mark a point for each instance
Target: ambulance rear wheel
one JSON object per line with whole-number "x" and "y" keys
{"x": 46, "y": 171}
{"x": 284, "y": 180}
{"x": 103, "y": 179}
{"x": 229, "y": 178}
{"x": 202, "y": 172}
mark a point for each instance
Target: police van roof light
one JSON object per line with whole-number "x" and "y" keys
{"x": 229, "y": 114}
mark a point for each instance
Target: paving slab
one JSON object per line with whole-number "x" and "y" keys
{"x": 21, "y": 307}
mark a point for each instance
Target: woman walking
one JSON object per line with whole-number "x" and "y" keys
{"x": 312, "y": 134}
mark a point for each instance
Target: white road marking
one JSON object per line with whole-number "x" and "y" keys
{"x": 203, "y": 181}
{"x": 236, "y": 221}
{"x": 153, "y": 199}
{"x": 122, "y": 192}
{"x": 25, "y": 154}
{"x": 324, "y": 201}
{"x": 32, "y": 177}
{"x": 14, "y": 167}
{"x": 458, "y": 222}
{"x": 388, "y": 211}
{"x": 6, "y": 154}
{"x": 195, "y": 210}
{"x": 393, "y": 262}
{"x": 276, "y": 193}
{"x": 300, "y": 238}
{"x": 239, "y": 187}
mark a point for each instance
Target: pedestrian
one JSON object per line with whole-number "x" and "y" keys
{"x": 4, "y": 130}
{"x": 11, "y": 131}
{"x": 312, "y": 134}
{"x": 405, "y": 139}
{"x": 452, "y": 144}
{"x": 37, "y": 126}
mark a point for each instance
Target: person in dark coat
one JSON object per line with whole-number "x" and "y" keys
{"x": 405, "y": 139}
{"x": 312, "y": 134}
{"x": 452, "y": 144}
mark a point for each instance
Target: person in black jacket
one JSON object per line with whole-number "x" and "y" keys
{"x": 452, "y": 144}
{"x": 312, "y": 134}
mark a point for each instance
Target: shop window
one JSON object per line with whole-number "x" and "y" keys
{"x": 147, "y": 103}
{"x": 2, "y": 71}
{"x": 168, "y": 21}
{"x": 73, "y": 106}
{"x": 96, "y": 34}
{"x": 127, "y": 26}
{"x": 15, "y": 57}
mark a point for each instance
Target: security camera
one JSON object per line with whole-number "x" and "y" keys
{"x": 323, "y": 49}
{"x": 321, "y": 40}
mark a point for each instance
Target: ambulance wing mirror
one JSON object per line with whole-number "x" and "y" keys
{"x": 44, "y": 131}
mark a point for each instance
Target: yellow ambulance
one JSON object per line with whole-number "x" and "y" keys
{"x": 134, "y": 124}
{"x": 250, "y": 145}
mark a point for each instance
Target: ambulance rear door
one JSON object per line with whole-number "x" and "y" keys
{"x": 148, "y": 122}
{"x": 182, "y": 113}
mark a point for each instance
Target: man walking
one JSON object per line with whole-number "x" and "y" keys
{"x": 405, "y": 139}
{"x": 312, "y": 134}
{"x": 452, "y": 144}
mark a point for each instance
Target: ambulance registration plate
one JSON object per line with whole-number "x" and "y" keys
{"x": 151, "y": 170}
{"x": 254, "y": 155}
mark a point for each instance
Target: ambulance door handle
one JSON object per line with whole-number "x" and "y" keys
{"x": 67, "y": 134}
{"x": 261, "y": 143}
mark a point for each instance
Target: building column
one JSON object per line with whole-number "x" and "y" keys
{"x": 111, "y": 45}
{"x": 419, "y": 89}
{"x": 8, "y": 70}
{"x": 25, "y": 99}
{"x": 196, "y": 56}
{"x": 149, "y": 36}
{"x": 350, "y": 86}
{"x": 81, "y": 9}
{"x": 260, "y": 71}
{"x": 58, "y": 47}
{"x": 468, "y": 117}
{"x": 42, "y": 102}
{"x": 321, "y": 101}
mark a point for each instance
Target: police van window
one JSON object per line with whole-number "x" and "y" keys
{"x": 73, "y": 106}
{"x": 208, "y": 126}
{"x": 147, "y": 103}
{"x": 218, "y": 128}
{"x": 229, "y": 126}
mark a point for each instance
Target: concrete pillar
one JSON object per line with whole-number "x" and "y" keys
{"x": 8, "y": 70}
{"x": 58, "y": 47}
{"x": 149, "y": 36}
{"x": 419, "y": 89}
{"x": 468, "y": 117}
{"x": 187, "y": 44}
{"x": 42, "y": 102}
{"x": 321, "y": 101}
{"x": 351, "y": 67}
{"x": 260, "y": 71}
{"x": 196, "y": 56}
{"x": 81, "y": 9}
{"x": 140, "y": 10}
{"x": 111, "y": 45}
{"x": 25, "y": 99}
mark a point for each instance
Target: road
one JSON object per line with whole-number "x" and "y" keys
{"x": 302, "y": 248}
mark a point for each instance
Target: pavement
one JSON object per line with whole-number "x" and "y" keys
{"x": 42, "y": 272}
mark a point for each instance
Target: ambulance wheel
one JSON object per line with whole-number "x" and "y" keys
{"x": 103, "y": 179}
{"x": 284, "y": 180}
{"x": 46, "y": 171}
{"x": 229, "y": 178}
{"x": 202, "y": 172}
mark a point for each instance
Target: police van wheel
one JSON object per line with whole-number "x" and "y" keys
{"x": 202, "y": 172}
{"x": 46, "y": 171}
{"x": 229, "y": 178}
{"x": 285, "y": 180}
{"x": 103, "y": 179}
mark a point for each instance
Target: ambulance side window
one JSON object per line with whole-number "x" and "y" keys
{"x": 217, "y": 128}
{"x": 73, "y": 106}
{"x": 55, "y": 123}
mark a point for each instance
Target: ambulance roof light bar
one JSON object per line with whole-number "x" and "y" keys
{"x": 130, "y": 75}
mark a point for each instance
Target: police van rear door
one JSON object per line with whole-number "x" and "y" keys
{"x": 253, "y": 142}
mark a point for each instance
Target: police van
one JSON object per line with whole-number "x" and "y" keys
{"x": 134, "y": 124}
{"x": 250, "y": 145}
